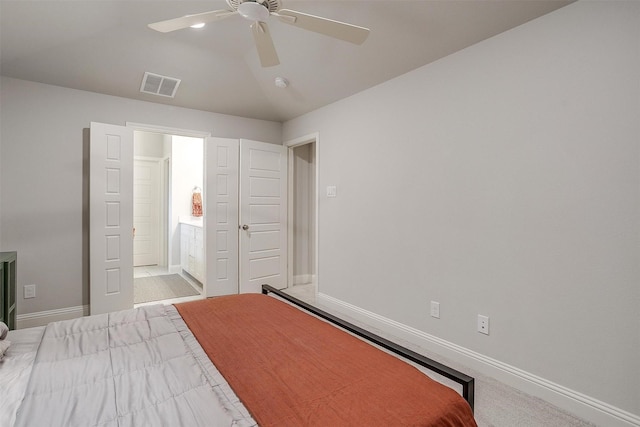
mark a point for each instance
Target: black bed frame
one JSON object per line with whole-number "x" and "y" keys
{"x": 466, "y": 381}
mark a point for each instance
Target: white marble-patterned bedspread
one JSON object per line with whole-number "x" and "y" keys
{"x": 130, "y": 368}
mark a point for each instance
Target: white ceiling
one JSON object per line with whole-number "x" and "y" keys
{"x": 106, "y": 46}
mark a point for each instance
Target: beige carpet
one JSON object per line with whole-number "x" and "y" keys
{"x": 156, "y": 288}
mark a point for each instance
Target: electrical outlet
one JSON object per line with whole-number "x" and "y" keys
{"x": 483, "y": 324}
{"x": 435, "y": 309}
{"x": 29, "y": 291}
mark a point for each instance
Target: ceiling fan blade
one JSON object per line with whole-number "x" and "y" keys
{"x": 264, "y": 44}
{"x": 189, "y": 20}
{"x": 328, "y": 27}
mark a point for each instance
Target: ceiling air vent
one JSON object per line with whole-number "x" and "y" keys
{"x": 156, "y": 84}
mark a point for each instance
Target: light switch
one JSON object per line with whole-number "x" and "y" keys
{"x": 29, "y": 291}
{"x": 331, "y": 191}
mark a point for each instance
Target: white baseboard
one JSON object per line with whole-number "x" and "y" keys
{"x": 42, "y": 318}
{"x": 583, "y": 406}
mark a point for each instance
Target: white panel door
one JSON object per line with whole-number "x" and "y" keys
{"x": 221, "y": 216}
{"x": 110, "y": 218}
{"x": 263, "y": 216}
{"x": 146, "y": 209}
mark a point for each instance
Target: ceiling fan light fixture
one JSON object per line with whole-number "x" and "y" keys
{"x": 253, "y": 11}
{"x": 259, "y": 12}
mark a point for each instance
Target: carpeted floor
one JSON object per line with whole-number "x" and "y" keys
{"x": 156, "y": 288}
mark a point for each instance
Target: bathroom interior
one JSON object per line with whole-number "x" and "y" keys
{"x": 167, "y": 216}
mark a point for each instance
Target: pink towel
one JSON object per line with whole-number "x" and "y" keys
{"x": 196, "y": 204}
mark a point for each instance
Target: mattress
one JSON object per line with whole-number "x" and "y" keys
{"x": 293, "y": 369}
{"x": 15, "y": 369}
{"x": 139, "y": 367}
{"x": 228, "y": 361}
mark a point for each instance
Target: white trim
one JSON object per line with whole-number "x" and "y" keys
{"x": 42, "y": 318}
{"x": 581, "y": 405}
{"x": 290, "y": 219}
{"x": 306, "y": 139}
{"x": 165, "y": 181}
{"x": 291, "y": 144}
{"x": 167, "y": 130}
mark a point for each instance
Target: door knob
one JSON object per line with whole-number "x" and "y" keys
{"x": 245, "y": 227}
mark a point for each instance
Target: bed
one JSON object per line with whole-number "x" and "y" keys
{"x": 242, "y": 360}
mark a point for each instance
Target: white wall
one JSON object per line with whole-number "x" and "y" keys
{"x": 150, "y": 144}
{"x": 43, "y": 169}
{"x": 502, "y": 180}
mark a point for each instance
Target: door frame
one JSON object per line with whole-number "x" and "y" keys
{"x": 166, "y": 130}
{"x": 165, "y": 180}
{"x": 291, "y": 144}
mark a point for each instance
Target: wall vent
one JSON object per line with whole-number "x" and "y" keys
{"x": 156, "y": 84}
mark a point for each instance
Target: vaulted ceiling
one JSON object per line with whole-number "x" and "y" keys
{"x": 106, "y": 47}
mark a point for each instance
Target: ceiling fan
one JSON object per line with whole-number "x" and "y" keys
{"x": 258, "y": 11}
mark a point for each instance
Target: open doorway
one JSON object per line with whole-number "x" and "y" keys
{"x": 303, "y": 256}
{"x": 168, "y": 249}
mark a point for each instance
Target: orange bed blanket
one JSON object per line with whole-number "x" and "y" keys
{"x": 292, "y": 369}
